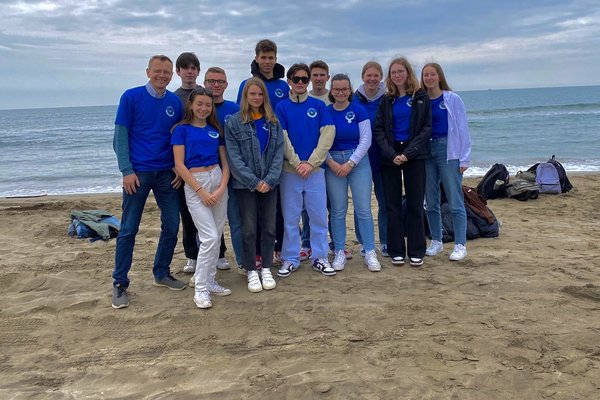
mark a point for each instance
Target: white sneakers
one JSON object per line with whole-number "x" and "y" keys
{"x": 339, "y": 262}
{"x": 372, "y": 261}
{"x": 459, "y": 252}
{"x": 268, "y": 282}
{"x": 202, "y": 299}
{"x": 434, "y": 248}
{"x": 223, "y": 264}
{"x": 190, "y": 266}
{"x": 254, "y": 284}
{"x": 217, "y": 290}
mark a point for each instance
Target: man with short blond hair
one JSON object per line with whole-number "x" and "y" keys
{"x": 142, "y": 143}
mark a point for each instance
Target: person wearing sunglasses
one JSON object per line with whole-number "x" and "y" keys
{"x": 200, "y": 160}
{"x": 141, "y": 142}
{"x": 308, "y": 135}
{"x": 348, "y": 167}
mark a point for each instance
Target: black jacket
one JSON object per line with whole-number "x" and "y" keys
{"x": 419, "y": 146}
{"x": 278, "y": 72}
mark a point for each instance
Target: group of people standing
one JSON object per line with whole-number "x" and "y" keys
{"x": 266, "y": 161}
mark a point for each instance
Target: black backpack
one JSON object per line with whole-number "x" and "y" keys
{"x": 565, "y": 184}
{"x": 488, "y": 188}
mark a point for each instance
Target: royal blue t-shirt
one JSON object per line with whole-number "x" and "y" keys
{"x": 439, "y": 118}
{"x": 201, "y": 144}
{"x": 262, "y": 133}
{"x": 347, "y": 133}
{"x": 277, "y": 89}
{"x": 224, "y": 110}
{"x": 149, "y": 121}
{"x": 401, "y": 111}
{"x": 303, "y": 122}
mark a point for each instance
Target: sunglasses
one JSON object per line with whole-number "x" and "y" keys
{"x": 297, "y": 79}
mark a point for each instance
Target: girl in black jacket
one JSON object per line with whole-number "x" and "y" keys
{"x": 402, "y": 131}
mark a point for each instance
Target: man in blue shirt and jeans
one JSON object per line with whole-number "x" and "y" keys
{"x": 142, "y": 143}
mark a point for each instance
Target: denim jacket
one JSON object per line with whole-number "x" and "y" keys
{"x": 246, "y": 163}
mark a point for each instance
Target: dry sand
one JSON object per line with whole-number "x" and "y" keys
{"x": 518, "y": 319}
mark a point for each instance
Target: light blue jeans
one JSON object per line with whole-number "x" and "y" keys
{"x": 295, "y": 192}
{"x": 359, "y": 181}
{"x": 439, "y": 169}
{"x": 381, "y": 211}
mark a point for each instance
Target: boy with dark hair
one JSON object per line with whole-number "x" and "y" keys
{"x": 187, "y": 68}
{"x": 265, "y": 67}
{"x": 308, "y": 134}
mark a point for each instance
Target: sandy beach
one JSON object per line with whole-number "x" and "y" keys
{"x": 518, "y": 319}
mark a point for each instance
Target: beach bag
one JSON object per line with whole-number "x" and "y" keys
{"x": 522, "y": 190}
{"x": 565, "y": 184}
{"x": 526, "y": 175}
{"x": 493, "y": 184}
{"x": 479, "y": 214}
{"x": 546, "y": 175}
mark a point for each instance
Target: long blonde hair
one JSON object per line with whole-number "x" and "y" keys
{"x": 265, "y": 109}
{"x": 412, "y": 83}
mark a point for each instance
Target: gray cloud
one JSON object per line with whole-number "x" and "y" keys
{"x": 73, "y": 53}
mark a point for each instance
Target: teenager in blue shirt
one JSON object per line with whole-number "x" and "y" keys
{"x": 199, "y": 151}
{"x": 348, "y": 166}
{"x": 308, "y": 135}
{"x": 450, "y": 158}
{"x": 369, "y": 94}
{"x": 142, "y": 144}
{"x": 402, "y": 131}
{"x": 254, "y": 141}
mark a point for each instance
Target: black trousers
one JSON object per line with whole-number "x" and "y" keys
{"x": 411, "y": 225}
{"x": 257, "y": 208}
{"x": 190, "y": 240}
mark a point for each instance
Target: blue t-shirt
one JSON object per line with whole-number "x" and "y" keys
{"x": 224, "y": 110}
{"x": 149, "y": 121}
{"x": 262, "y": 133}
{"x": 201, "y": 144}
{"x": 439, "y": 118}
{"x": 303, "y": 122}
{"x": 401, "y": 111}
{"x": 278, "y": 90}
{"x": 347, "y": 133}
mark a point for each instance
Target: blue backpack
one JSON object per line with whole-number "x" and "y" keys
{"x": 546, "y": 175}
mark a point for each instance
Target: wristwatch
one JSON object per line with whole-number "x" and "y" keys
{"x": 351, "y": 163}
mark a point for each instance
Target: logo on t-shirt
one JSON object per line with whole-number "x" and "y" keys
{"x": 350, "y": 116}
{"x": 170, "y": 111}
{"x": 213, "y": 134}
{"x": 442, "y": 105}
{"x": 311, "y": 112}
{"x": 279, "y": 93}
{"x": 409, "y": 102}
{"x": 265, "y": 128}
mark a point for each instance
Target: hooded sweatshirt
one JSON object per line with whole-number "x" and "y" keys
{"x": 277, "y": 87}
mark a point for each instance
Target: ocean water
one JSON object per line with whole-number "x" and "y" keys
{"x": 69, "y": 150}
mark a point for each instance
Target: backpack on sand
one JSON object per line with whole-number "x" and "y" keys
{"x": 565, "y": 184}
{"x": 493, "y": 184}
{"x": 523, "y": 190}
{"x": 546, "y": 175}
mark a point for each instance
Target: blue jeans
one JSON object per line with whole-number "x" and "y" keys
{"x": 235, "y": 224}
{"x": 167, "y": 199}
{"x": 296, "y": 192}
{"x": 439, "y": 169}
{"x": 359, "y": 181}
{"x": 381, "y": 211}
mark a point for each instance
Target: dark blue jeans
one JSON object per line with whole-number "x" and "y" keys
{"x": 167, "y": 199}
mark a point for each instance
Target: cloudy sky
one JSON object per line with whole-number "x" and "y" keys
{"x": 73, "y": 52}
